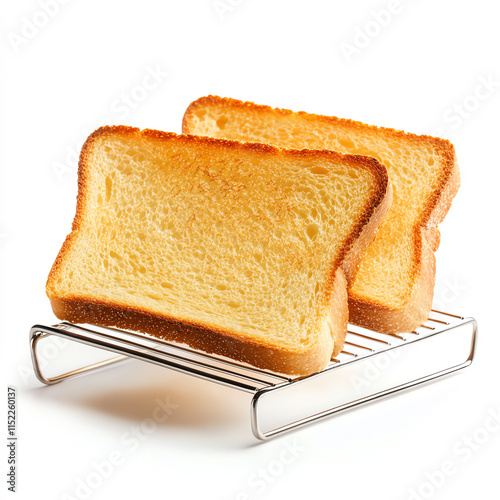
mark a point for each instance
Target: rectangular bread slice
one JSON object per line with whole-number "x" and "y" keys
{"x": 236, "y": 249}
{"x": 393, "y": 289}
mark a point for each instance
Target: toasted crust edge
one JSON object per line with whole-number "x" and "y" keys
{"x": 251, "y": 106}
{"x": 261, "y": 356}
{"x": 353, "y": 258}
{"x": 205, "y": 337}
{"x": 415, "y": 312}
{"x": 371, "y": 313}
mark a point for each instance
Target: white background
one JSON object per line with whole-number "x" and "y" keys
{"x": 68, "y": 76}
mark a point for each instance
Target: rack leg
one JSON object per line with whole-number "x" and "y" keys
{"x": 368, "y": 398}
{"x": 36, "y": 335}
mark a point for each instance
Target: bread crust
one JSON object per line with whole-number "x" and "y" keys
{"x": 77, "y": 310}
{"x": 414, "y": 313}
{"x": 81, "y": 309}
{"x": 339, "y": 312}
{"x": 373, "y": 315}
{"x": 251, "y": 106}
{"x": 353, "y": 259}
{"x": 363, "y": 311}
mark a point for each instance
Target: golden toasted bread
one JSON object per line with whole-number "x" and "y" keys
{"x": 237, "y": 249}
{"x": 393, "y": 289}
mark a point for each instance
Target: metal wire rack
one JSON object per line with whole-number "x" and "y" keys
{"x": 371, "y": 366}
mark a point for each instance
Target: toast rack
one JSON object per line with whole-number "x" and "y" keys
{"x": 371, "y": 366}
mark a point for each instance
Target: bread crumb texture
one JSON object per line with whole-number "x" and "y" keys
{"x": 393, "y": 288}
{"x": 238, "y": 245}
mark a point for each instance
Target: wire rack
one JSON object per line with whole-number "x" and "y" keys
{"x": 371, "y": 366}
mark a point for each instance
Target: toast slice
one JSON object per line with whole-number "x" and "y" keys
{"x": 236, "y": 249}
{"x": 393, "y": 289}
